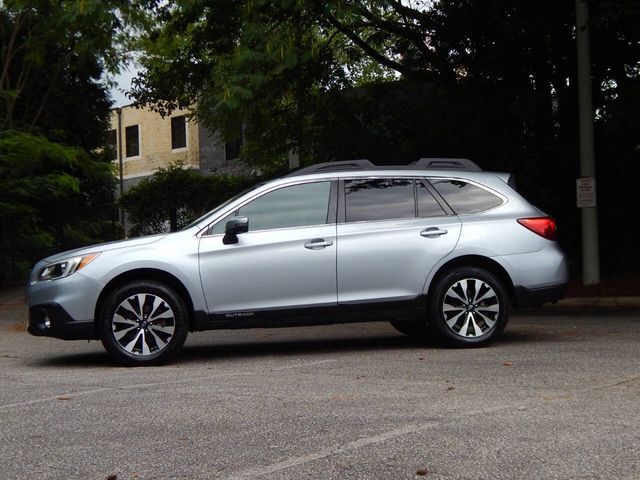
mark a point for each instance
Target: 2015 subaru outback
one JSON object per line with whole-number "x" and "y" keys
{"x": 438, "y": 247}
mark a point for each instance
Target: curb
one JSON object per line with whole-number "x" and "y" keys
{"x": 596, "y": 302}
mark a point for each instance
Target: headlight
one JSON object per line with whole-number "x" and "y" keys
{"x": 64, "y": 268}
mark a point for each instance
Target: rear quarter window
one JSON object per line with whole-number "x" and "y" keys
{"x": 464, "y": 197}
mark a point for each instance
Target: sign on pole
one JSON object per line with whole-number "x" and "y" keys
{"x": 586, "y": 192}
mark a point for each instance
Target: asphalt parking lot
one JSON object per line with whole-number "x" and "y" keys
{"x": 557, "y": 397}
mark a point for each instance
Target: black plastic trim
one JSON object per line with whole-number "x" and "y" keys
{"x": 63, "y": 326}
{"x": 443, "y": 204}
{"x": 384, "y": 310}
{"x": 526, "y": 297}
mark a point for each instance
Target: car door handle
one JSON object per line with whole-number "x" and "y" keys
{"x": 318, "y": 243}
{"x": 433, "y": 232}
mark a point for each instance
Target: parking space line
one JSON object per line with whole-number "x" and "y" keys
{"x": 359, "y": 443}
{"x": 150, "y": 385}
{"x": 304, "y": 364}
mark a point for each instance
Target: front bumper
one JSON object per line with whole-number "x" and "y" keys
{"x": 535, "y": 297}
{"x": 52, "y": 320}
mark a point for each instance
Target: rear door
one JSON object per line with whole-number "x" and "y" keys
{"x": 391, "y": 233}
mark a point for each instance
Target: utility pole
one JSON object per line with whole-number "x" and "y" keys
{"x": 586, "y": 191}
{"x": 121, "y": 168}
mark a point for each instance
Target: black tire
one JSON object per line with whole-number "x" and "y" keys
{"x": 143, "y": 323}
{"x": 418, "y": 332}
{"x": 468, "y": 307}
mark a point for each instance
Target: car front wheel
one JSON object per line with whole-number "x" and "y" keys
{"x": 143, "y": 323}
{"x": 468, "y": 307}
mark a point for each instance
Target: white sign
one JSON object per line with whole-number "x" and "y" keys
{"x": 586, "y": 192}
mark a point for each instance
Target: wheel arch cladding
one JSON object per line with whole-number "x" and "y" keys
{"x": 144, "y": 274}
{"x": 477, "y": 261}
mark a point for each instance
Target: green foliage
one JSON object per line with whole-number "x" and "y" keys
{"x": 174, "y": 196}
{"x": 251, "y": 62}
{"x": 57, "y": 191}
{"x": 54, "y": 197}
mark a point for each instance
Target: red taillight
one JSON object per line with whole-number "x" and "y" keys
{"x": 543, "y": 226}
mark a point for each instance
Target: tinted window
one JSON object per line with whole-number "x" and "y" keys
{"x": 232, "y": 149}
{"x": 379, "y": 199}
{"x": 112, "y": 145}
{"x": 464, "y": 197}
{"x": 178, "y": 132}
{"x": 294, "y": 206}
{"x": 132, "y": 141}
{"x": 427, "y": 205}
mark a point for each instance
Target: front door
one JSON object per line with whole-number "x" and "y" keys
{"x": 286, "y": 261}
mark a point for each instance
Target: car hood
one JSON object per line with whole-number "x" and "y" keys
{"x": 103, "y": 247}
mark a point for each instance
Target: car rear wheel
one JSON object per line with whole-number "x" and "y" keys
{"x": 143, "y": 323}
{"x": 468, "y": 307}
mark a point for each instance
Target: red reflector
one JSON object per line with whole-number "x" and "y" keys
{"x": 543, "y": 226}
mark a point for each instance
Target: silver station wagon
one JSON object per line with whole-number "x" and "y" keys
{"x": 438, "y": 248}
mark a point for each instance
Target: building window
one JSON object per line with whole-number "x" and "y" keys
{"x": 178, "y": 132}
{"x": 232, "y": 149}
{"x": 111, "y": 148}
{"x": 132, "y": 138}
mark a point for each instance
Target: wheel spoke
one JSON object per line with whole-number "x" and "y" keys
{"x": 164, "y": 315}
{"x": 489, "y": 294}
{"x": 453, "y": 320}
{"x": 464, "y": 285}
{"x": 121, "y": 333}
{"x": 454, "y": 294}
{"x": 131, "y": 345}
{"x": 486, "y": 319}
{"x": 120, "y": 319}
{"x": 489, "y": 308}
{"x": 161, "y": 343}
{"x": 157, "y": 328}
{"x": 476, "y": 328}
{"x": 450, "y": 308}
{"x": 465, "y": 326}
{"x": 145, "y": 346}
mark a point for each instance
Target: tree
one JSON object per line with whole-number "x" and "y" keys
{"x": 248, "y": 63}
{"x": 53, "y": 198}
{"x": 56, "y": 186}
{"x": 175, "y": 196}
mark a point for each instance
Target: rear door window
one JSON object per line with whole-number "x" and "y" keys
{"x": 464, "y": 197}
{"x": 379, "y": 199}
{"x": 427, "y": 204}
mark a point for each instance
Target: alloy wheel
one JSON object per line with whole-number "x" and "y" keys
{"x": 470, "y": 307}
{"x": 143, "y": 324}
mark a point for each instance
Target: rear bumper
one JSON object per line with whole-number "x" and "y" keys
{"x": 534, "y": 297}
{"x": 52, "y": 320}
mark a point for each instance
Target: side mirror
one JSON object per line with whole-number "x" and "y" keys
{"x": 234, "y": 227}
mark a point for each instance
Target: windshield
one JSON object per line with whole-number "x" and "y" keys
{"x": 221, "y": 206}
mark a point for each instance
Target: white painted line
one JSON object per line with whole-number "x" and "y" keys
{"x": 305, "y": 364}
{"x": 151, "y": 385}
{"x": 356, "y": 444}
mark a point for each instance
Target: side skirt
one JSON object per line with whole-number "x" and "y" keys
{"x": 410, "y": 310}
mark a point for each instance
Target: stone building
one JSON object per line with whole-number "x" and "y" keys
{"x": 142, "y": 141}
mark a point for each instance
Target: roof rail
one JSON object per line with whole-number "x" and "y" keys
{"x": 343, "y": 165}
{"x": 446, "y": 164}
